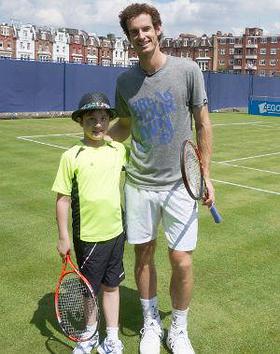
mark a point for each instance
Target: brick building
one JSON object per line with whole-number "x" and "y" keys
{"x": 250, "y": 53}
{"x": 43, "y": 44}
{"x": 7, "y": 41}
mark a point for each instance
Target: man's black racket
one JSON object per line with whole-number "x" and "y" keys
{"x": 75, "y": 304}
{"x": 193, "y": 177}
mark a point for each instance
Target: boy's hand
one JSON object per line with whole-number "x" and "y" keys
{"x": 107, "y": 138}
{"x": 63, "y": 247}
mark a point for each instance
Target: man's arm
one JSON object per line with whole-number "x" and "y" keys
{"x": 120, "y": 130}
{"x": 62, "y": 209}
{"x": 204, "y": 142}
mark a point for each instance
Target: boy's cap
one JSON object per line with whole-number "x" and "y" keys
{"x": 92, "y": 101}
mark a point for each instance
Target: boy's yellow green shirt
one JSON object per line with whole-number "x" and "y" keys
{"x": 91, "y": 176}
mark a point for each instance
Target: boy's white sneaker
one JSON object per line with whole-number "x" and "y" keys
{"x": 152, "y": 334}
{"x": 87, "y": 346}
{"x": 178, "y": 342}
{"x": 109, "y": 346}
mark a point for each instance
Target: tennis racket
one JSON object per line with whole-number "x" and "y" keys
{"x": 76, "y": 306}
{"x": 193, "y": 177}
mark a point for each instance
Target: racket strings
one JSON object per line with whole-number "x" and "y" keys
{"x": 192, "y": 171}
{"x": 76, "y": 306}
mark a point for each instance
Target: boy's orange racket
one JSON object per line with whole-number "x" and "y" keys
{"x": 76, "y": 305}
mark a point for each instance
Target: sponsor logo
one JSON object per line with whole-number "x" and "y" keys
{"x": 269, "y": 108}
{"x": 262, "y": 107}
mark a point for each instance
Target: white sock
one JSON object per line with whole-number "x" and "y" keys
{"x": 179, "y": 319}
{"x": 91, "y": 328}
{"x": 112, "y": 333}
{"x": 150, "y": 309}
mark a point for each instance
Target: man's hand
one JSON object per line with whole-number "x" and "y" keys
{"x": 209, "y": 199}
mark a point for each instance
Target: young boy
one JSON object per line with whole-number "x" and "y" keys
{"x": 88, "y": 178}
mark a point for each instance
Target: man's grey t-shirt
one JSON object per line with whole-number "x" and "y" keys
{"x": 159, "y": 106}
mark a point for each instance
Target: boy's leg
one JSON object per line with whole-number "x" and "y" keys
{"x": 114, "y": 274}
{"x": 111, "y": 303}
{"x": 82, "y": 251}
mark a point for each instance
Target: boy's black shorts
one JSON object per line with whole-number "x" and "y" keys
{"x": 105, "y": 261}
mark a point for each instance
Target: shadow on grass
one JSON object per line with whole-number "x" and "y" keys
{"x": 131, "y": 319}
{"x": 45, "y": 317}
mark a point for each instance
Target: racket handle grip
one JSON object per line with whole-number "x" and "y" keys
{"x": 216, "y": 216}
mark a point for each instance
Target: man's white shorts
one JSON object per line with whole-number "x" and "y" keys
{"x": 145, "y": 209}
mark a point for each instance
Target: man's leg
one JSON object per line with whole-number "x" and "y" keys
{"x": 145, "y": 271}
{"x": 146, "y": 280}
{"x": 180, "y": 226}
{"x": 181, "y": 285}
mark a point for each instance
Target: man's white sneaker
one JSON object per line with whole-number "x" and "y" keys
{"x": 152, "y": 334}
{"x": 109, "y": 346}
{"x": 178, "y": 342}
{"x": 87, "y": 346}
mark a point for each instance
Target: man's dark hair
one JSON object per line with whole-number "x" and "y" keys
{"x": 134, "y": 10}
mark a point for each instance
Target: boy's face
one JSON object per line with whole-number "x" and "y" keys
{"x": 142, "y": 34}
{"x": 95, "y": 124}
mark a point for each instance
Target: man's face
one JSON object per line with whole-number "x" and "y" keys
{"x": 95, "y": 124}
{"x": 142, "y": 34}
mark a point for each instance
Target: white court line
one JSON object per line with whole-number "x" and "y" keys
{"x": 251, "y": 157}
{"x": 267, "y": 126}
{"x": 46, "y": 135}
{"x": 40, "y": 142}
{"x": 29, "y": 138}
{"x": 240, "y": 123}
{"x": 247, "y": 168}
{"x": 247, "y": 187}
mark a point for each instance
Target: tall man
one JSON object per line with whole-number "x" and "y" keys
{"x": 156, "y": 101}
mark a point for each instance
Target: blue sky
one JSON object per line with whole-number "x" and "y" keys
{"x": 178, "y": 16}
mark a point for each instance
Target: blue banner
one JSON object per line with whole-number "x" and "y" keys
{"x": 264, "y": 107}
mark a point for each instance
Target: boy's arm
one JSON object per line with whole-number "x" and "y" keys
{"x": 62, "y": 209}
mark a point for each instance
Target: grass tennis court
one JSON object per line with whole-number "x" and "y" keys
{"x": 236, "y": 303}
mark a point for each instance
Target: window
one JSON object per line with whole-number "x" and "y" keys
{"x": 273, "y": 51}
{"x": 1, "y": 44}
{"x": 263, "y": 51}
{"x": 222, "y": 62}
{"x": 223, "y": 41}
{"x": 43, "y": 58}
{"x": 231, "y": 41}
{"x": 231, "y": 62}
{"x": 263, "y": 40}
{"x": 262, "y": 62}
{"x": 222, "y": 51}
{"x": 273, "y": 39}
{"x": 60, "y": 37}
{"x": 77, "y": 39}
{"x": 272, "y": 62}
{"x": 5, "y": 31}
{"x": 28, "y": 46}
{"x": 262, "y": 73}
{"x": 231, "y": 51}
